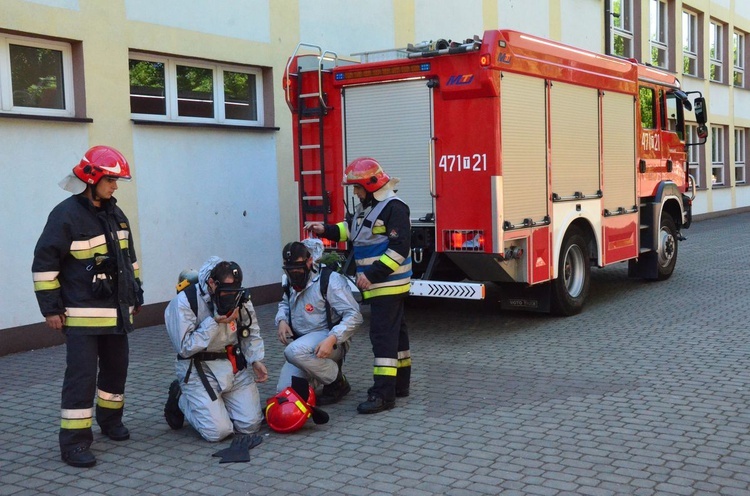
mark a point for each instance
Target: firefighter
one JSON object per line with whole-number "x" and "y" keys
{"x": 87, "y": 284}
{"x": 316, "y": 318}
{"x": 219, "y": 355}
{"x": 380, "y": 232}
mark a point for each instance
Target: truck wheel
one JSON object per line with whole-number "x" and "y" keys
{"x": 571, "y": 287}
{"x": 666, "y": 253}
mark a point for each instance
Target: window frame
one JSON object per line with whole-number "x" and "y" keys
{"x": 626, "y": 32}
{"x": 716, "y": 33}
{"x": 171, "y": 94}
{"x": 738, "y": 58}
{"x": 694, "y": 155}
{"x": 718, "y": 162}
{"x": 660, "y": 17}
{"x": 740, "y": 155}
{"x": 6, "y": 78}
{"x": 692, "y": 40}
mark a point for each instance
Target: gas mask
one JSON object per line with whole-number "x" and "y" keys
{"x": 297, "y": 273}
{"x": 227, "y": 297}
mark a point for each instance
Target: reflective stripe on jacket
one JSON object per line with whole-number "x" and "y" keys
{"x": 76, "y": 234}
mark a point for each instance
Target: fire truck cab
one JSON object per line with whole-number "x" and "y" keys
{"x": 524, "y": 161}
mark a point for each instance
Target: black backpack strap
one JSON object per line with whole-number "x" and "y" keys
{"x": 192, "y": 295}
{"x": 325, "y": 275}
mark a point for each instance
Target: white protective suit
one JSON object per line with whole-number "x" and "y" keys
{"x": 309, "y": 323}
{"x": 237, "y": 407}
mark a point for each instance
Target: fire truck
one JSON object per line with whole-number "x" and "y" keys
{"x": 524, "y": 161}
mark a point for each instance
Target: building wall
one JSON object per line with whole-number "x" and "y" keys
{"x": 204, "y": 190}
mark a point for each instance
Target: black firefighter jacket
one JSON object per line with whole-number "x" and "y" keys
{"x": 85, "y": 266}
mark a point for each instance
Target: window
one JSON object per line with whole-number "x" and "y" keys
{"x": 690, "y": 43}
{"x": 648, "y": 105}
{"x": 717, "y": 155}
{"x": 36, "y": 77}
{"x": 694, "y": 154}
{"x": 715, "y": 52}
{"x": 738, "y": 57}
{"x": 621, "y": 23}
{"x": 740, "y": 150}
{"x": 658, "y": 33}
{"x": 192, "y": 91}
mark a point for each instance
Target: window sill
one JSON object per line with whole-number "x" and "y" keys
{"x": 35, "y": 117}
{"x": 208, "y": 125}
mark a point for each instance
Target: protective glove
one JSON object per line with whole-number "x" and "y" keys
{"x": 239, "y": 450}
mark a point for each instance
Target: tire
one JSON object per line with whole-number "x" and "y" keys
{"x": 666, "y": 252}
{"x": 571, "y": 287}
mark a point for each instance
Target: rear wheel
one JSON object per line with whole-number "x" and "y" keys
{"x": 666, "y": 253}
{"x": 571, "y": 287}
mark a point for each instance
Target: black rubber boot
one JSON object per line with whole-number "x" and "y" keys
{"x": 334, "y": 392}
{"x": 79, "y": 457}
{"x": 172, "y": 413}
{"x": 375, "y": 404}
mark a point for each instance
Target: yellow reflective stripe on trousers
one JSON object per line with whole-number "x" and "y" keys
{"x": 113, "y": 401}
{"x": 404, "y": 362}
{"x": 112, "y": 405}
{"x": 75, "y": 423}
{"x": 388, "y": 371}
{"x": 76, "y": 418}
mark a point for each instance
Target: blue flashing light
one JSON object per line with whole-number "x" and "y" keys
{"x": 424, "y": 67}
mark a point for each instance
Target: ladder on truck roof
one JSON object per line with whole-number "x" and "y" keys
{"x": 311, "y": 107}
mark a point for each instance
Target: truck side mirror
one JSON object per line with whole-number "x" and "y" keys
{"x": 700, "y": 110}
{"x": 702, "y": 132}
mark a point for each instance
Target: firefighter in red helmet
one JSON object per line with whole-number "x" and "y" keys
{"x": 87, "y": 284}
{"x": 380, "y": 232}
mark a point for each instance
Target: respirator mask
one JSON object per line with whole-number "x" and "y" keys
{"x": 297, "y": 273}
{"x": 227, "y": 297}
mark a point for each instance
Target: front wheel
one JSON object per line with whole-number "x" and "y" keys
{"x": 571, "y": 287}
{"x": 666, "y": 253}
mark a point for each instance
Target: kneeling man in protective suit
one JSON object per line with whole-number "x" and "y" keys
{"x": 217, "y": 346}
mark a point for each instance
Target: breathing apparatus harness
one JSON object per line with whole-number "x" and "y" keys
{"x": 224, "y": 300}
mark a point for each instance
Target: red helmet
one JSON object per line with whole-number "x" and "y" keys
{"x": 288, "y": 411}
{"x": 366, "y": 172}
{"x": 101, "y": 161}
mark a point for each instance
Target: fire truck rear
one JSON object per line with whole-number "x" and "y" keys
{"x": 524, "y": 161}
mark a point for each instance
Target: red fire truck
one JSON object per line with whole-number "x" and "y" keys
{"x": 524, "y": 161}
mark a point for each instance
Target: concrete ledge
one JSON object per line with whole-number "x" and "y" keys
{"x": 36, "y": 336}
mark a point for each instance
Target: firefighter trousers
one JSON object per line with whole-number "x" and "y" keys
{"x": 390, "y": 345}
{"x": 84, "y": 355}
{"x": 301, "y": 361}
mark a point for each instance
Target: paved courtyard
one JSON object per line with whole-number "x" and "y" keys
{"x": 647, "y": 392}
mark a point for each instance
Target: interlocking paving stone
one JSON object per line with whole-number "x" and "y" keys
{"x": 645, "y": 393}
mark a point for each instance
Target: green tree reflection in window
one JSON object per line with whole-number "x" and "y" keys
{"x": 239, "y": 96}
{"x": 195, "y": 91}
{"x": 37, "y": 77}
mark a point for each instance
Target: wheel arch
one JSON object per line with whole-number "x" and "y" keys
{"x": 584, "y": 226}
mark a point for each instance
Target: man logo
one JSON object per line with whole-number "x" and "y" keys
{"x": 460, "y": 80}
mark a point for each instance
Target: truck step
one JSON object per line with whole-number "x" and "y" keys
{"x": 446, "y": 289}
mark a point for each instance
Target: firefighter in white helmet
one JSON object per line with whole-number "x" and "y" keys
{"x": 316, "y": 319}
{"x": 219, "y": 355}
{"x": 380, "y": 232}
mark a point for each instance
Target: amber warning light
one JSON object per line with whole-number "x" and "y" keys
{"x": 484, "y": 60}
{"x": 464, "y": 240}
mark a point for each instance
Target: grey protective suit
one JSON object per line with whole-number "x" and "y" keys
{"x": 308, "y": 320}
{"x": 237, "y": 407}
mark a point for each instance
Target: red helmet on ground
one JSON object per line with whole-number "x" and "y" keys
{"x": 288, "y": 411}
{"x": 100, "y": 161}
{"x": 366, "y": 172}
